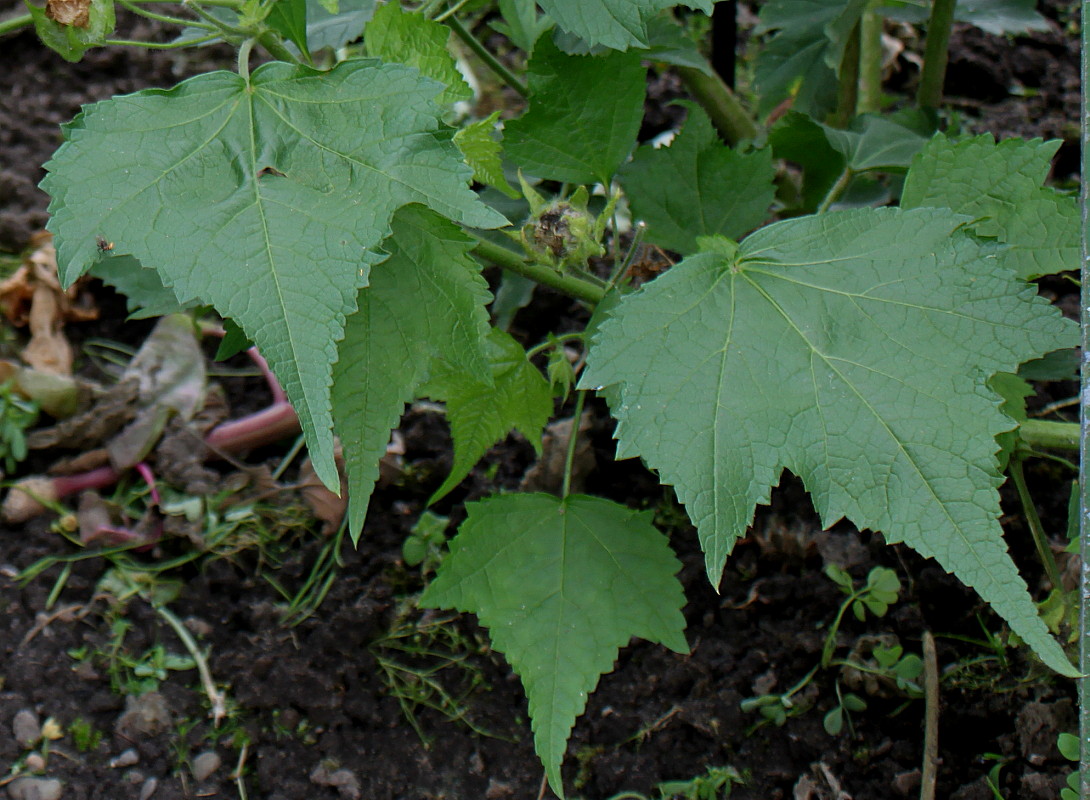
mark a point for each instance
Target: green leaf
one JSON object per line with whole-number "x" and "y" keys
{"x": 201, "y": 182}
{"x": 999, "y": 17}
{"x": 521, "y": 23}
{"x": 561, "y": 585}
{"x": 1068, "y": 745}
{"x": 145, "y": 295}
{"x": 618, "y": 24}
{"x": 579, "y": 127}
{"x": 425, "y": 306}
{"x": 670, "y": 44}
{"x": 482, "y": 152}
{"x": 875, "y": 142}
{"x": 336, "y": 28}
{"x": 1003, "y": 184}
{"x": 72, "y": 41}
{"x": 481, "y": 413}
{"x": 234, "y": 341}
{"x": 799, "y": 139}
{"x": 853, "y": 349}
{"x": 413, "y": 39}
{"x": 698, "y": 187}
{"x": 803, "y": 58}
{"x": 1014, "y": 391}
{"x": 289, "y": 19}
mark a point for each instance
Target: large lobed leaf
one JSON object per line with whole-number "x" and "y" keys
{"x": 425, "y": 309}
{"x": 260, "y": 197}
{"x": 852, "y": 348}
{"x": 619, "y": 24}
{"x": 1001, "y": 185}
{"x": 561, "y": 584}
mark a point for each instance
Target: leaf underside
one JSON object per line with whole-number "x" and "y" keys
{"x": 852, "y": 348}
{"x": 561, "y": 585}
{"x": 261, "y": 199}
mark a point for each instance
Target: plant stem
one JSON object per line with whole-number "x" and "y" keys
{"x": 573, "y": 437}
{"x": 1046, "y": 433}
{"x": 870, "y": 61}
{"x": 835, "y": 191}
{"x": 161, "y": 45}
{"x": 143, "y": 12}
{"x": 848, "y": 92}
{"x": 715, "y": 97}
{"x": 486, "y": 56}
{"x": 547, "y": 276}
{"x": 216, "y": 698}
{"x": 1036, "y": 529}
{"x": 930, "y": 718}
{"x": 15, "y": 22}
{"x": 244, "y": 59}
{"x": 933, "y": 75}
{"x": 274, "y": 45}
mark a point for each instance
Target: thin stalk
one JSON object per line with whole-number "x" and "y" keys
{"x": 1036, "y": 529}
{"x": 1084, "y": 439}
{"x": 161, "y": 45}
{"x": 930, "y": 718}
{"x": 274, "y": 45}
{"x": 547, "y": 276}
{"x": 715, "y": 97}
{"x": 935, "y": 56}
{"x": 493, "y": 63}
{"x": 848, "y": 93}
{"x": 15, "y": 22}
{"x": 622, "y": 268}
{"x": 1046, "y": 433}
{"x": 835, "y": 191}
{"x": 244, "y": 59}
{"x": 235, "y": 4}
{"x": 564, "y": 337}
{"x": 216, "y": 698}
{"x": 143, "y": 12}
{"x": 573, "y": 437}
{"x": 454, "y": 9}
{"x": 870, "y": 61}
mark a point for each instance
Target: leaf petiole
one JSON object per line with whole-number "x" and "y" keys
{"x": 486, "y": 56}
{"x": 573, "y": 438}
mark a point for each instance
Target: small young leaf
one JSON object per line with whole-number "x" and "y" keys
{"x": 698, "y": 187}
{"x": 1002, "y": 185}
{"x": 834, "y": 721}
{"x": 234, "y": 341}
{"x": 88, "y": 26}
{"x": 578, "y": 577}
{"x": 853, "y": 349}
{"x": 853, "y": 702}
{"x": 584, "y": 115}
{"x": 411, "y": 38}
{"x": 803, "y": 58}
{"x": 482, "y": 413}
{"x": 289, "y": 19}
{"x": 1068, "y": 744}
{"x": 425, "y": 302}
{"x": 521, "y": 23}
{"x": 482, "y": 152}
{"x": 196, "y": 181}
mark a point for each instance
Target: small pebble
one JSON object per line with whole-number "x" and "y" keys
{"x": 348, "y": 785}
{"x": 148, "y": 789}
{"x": 205, "y": 764}
{"x": 34, "y": 762}
{"x": 26, "y": 727}
{"x": 35, "y": 789}
{"x": 125, "y": 759}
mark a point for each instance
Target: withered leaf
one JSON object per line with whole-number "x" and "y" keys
{"x": 76, "y": 13}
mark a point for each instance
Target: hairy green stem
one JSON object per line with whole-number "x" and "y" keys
{"x": 547, "y": 276}
{"x": 1054, "y": 435}
{"x": 848, "y": 92}
{"x": 835, "y": 191}
{"x": 244, "y": 59}
{"x": 170, "y": 20}
{"x": 493, "y": 63}
{"x": 573, "y": 438}
{"x": 870, "y": 61}
{"x": 1036, "y": 529}
{"x": 161, "y": 45}
{"x": 274, "y": 45}
{"x": 15, "y": 22}
{"x": 715, "y": 97}
{"x": 933, "y": 75}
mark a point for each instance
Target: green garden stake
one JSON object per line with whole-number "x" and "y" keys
{"x": 1084, "y": 485}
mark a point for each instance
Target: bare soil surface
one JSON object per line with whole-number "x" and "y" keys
{"x": 317, "y": 709}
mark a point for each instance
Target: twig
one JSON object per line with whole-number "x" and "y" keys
{"x": 216, "y": 698}
{"x": 931, "y": 718}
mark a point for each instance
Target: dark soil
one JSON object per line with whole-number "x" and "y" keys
{"x": 313, "y": 715}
